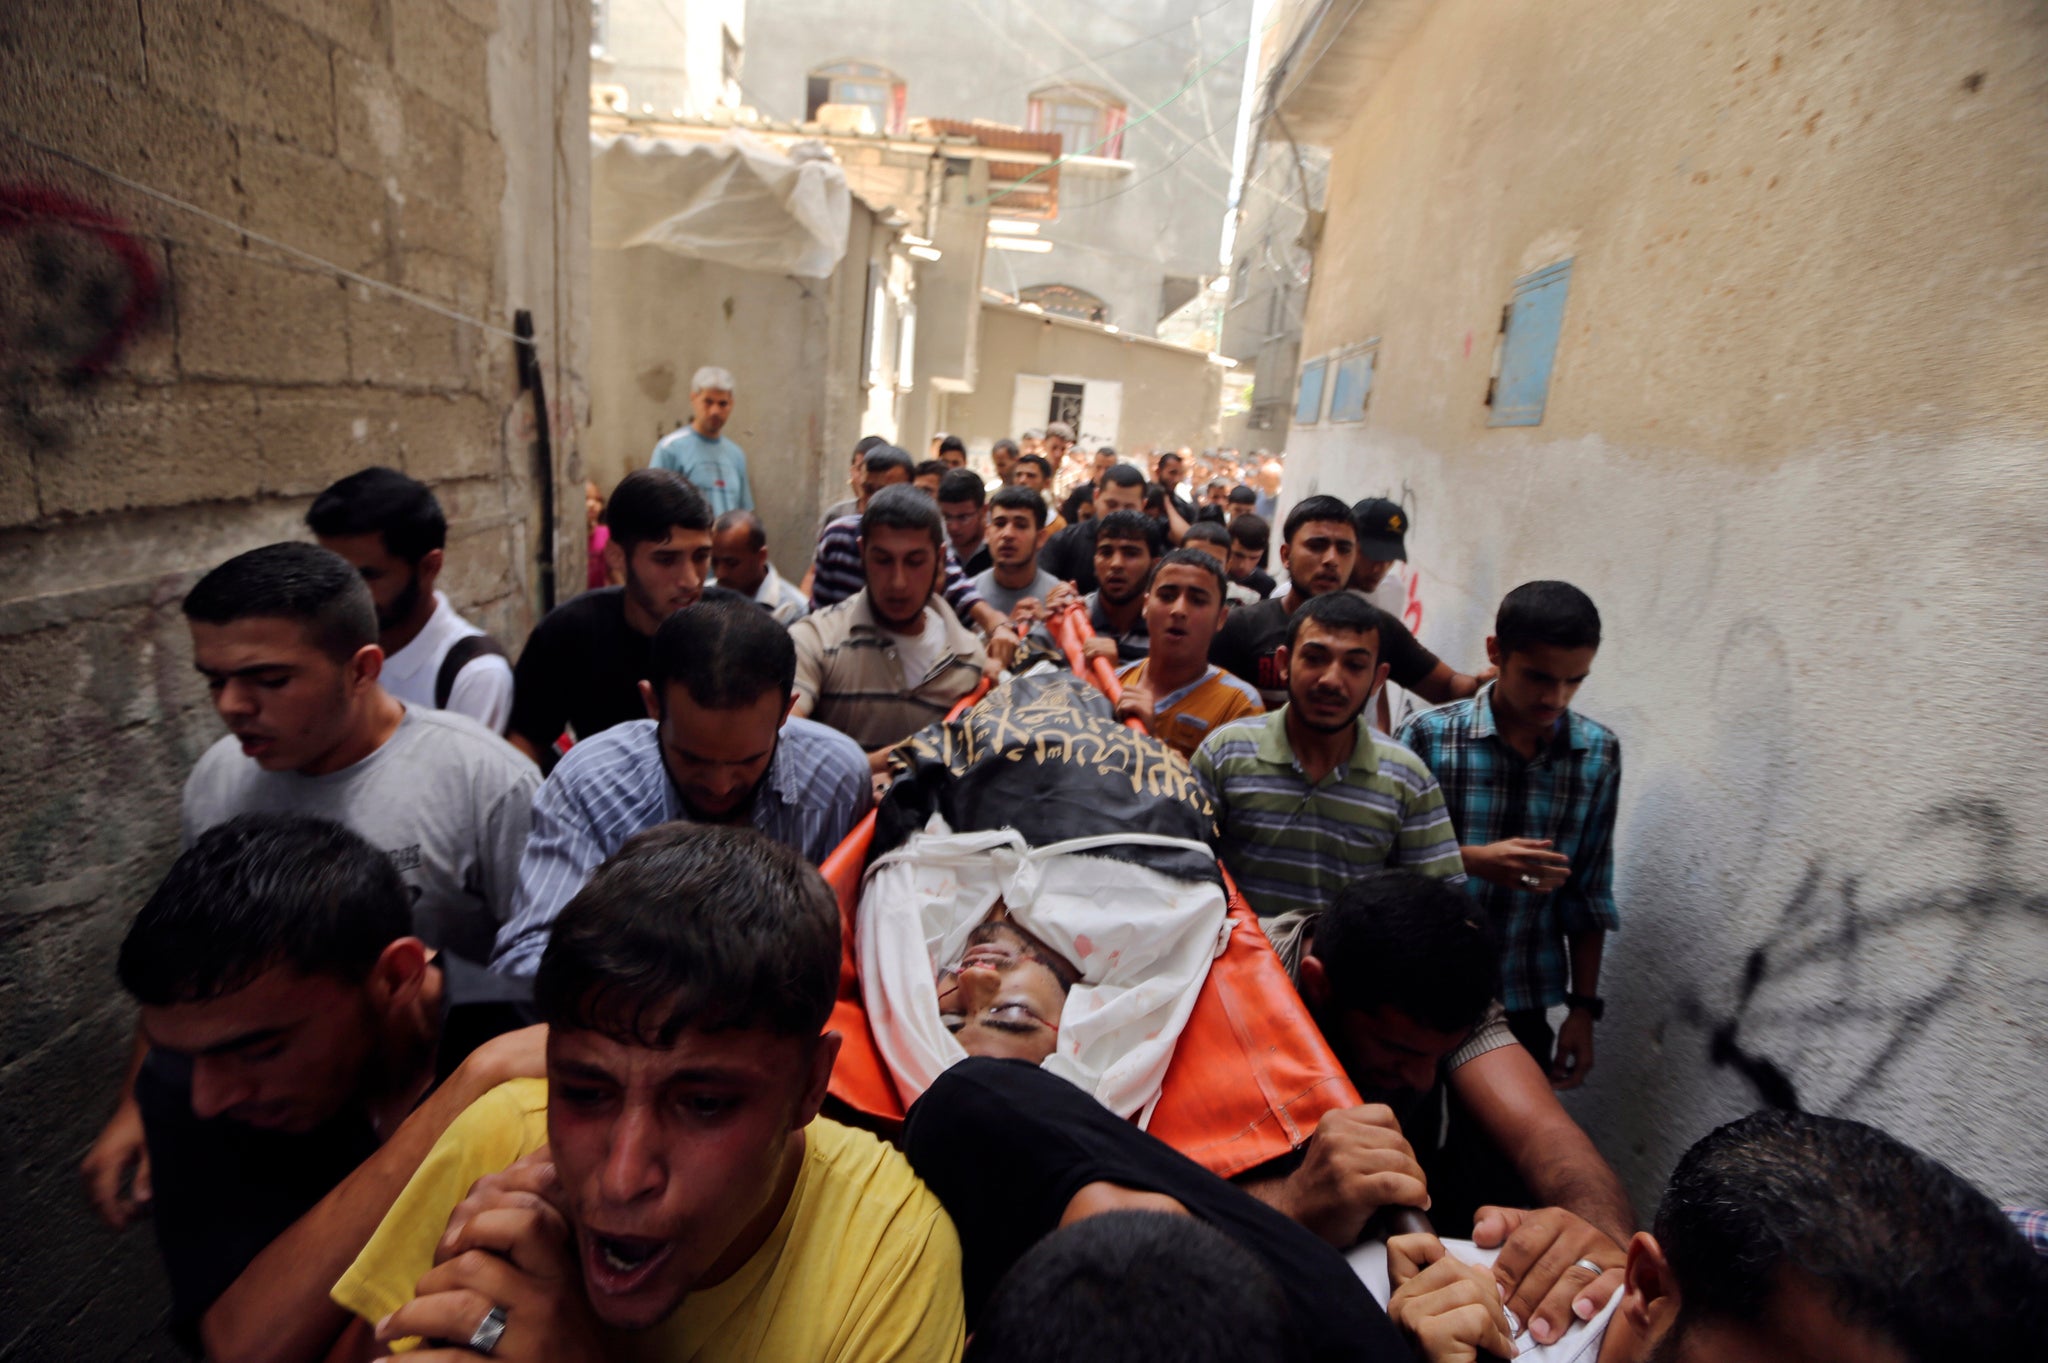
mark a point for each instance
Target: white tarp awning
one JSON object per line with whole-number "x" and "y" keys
{"x": 739, "y": 202}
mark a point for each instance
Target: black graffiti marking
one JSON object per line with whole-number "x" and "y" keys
{"x": 1816, "y": 932}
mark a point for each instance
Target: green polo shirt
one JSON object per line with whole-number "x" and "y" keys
{"x": 1292, "y": 845}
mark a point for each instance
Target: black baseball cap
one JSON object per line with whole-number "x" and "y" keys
{"x": 1382, "y": 530}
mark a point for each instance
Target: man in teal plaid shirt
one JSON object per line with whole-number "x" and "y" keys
{"x": 1531, "y": 788}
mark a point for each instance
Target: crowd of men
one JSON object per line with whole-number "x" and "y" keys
{"x": 487, "y": 1004}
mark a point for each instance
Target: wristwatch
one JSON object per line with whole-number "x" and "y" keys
{"x": 1594, "y": 1008}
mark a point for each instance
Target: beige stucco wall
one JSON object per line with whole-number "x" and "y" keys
{"x": 793, "y": 346}
{"x": 1793, "y": 449}
{"x": 420, "y": 144}
{"x": 1171, "y": 396}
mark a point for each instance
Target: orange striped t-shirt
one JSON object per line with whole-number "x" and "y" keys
{"x": 1182, "y": 719}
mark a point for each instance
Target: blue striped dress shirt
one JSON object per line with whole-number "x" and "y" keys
{"x": 614, "y": 785}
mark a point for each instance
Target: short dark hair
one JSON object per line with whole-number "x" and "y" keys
{"x": 1207, "y": 532}
{"x": 952, "y": 442}
{"x": 1044, "y": 464}
{"x": 1310, "y": 510}
{"x": 902, "y": 508}
{"x": 316, "y": 587}
{"x": 962, "y": 485}
{"x": 1191, "y": 558}
{"x": 1546, "y": 614}
{"x": 1123, "y": 1287}
{"x": 1129, "y": 525}
{"x": 693, "y": 925}
{"x": 1340, "y": 610}
{"x": 931, "y": 468}
{"x": 648, "y": 504}
{"x": 402, "y": 511}
{"x": 1251, "y": 531}
{"x": 259, "y": 892}
{"x": 1012, "y": 497}
{"x": 1123, "y": 475}
{"x": 1404, "y": 940}
{"x": 1243, "y": 495}
{"x": 868, "y": 442}
{"x": 1901, "y": 1244}
{"x": 882, "y": 458}
{"x": 724, "y": 650}
{"x": 740, "y": 518}
{"x": 1004, "y": 444}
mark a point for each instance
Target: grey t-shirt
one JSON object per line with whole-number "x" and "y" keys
{"x": 446, "y": 798}
{"x": 1005, "y": 600}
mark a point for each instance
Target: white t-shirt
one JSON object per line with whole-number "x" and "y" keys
{"x": 448, "y": 800}
{"x": 483, "y": 688}
{"x": 1580, "y": 1342}
{"x": 919, "y": 653}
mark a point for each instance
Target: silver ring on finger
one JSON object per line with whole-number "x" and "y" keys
{"x": 1530, "y": 882}
{"x": 484, "y": 1339}
{"x": 1589, "y": 1266}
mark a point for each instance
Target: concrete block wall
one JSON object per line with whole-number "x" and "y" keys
{"x": 390, "y": 138}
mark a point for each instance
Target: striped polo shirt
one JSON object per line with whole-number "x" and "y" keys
{"x": 1292, "y": 846}
{"x": 850, "y": 676}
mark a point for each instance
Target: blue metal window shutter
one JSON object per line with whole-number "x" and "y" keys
{"x": 1308, "y": 398}
{"x": 1529, "y": 349}
{"x": 1352, "y": 388}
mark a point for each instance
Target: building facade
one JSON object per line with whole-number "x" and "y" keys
{"x": 1733, "y": 317}
{"x": 1140, "y": 207}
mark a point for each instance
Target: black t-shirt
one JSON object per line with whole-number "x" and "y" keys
{"x": 581, "y": 669}
{"x": 1260, "y": 581}
{"x": 224, "y": 1190}
{"x": 1251, "y": 633}
{"x": 1006, "y": 1145}
{"x": 1070, "y": 555}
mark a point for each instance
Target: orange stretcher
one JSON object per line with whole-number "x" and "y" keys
{"x": 1250, "y": 1077}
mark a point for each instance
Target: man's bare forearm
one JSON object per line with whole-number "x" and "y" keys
{"x": 278, "y": 1310}
{"x": 1510, "y": 1098}
{"x": 1568, "y": 1172}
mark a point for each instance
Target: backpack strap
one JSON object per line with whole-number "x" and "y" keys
{"x": 461, "y": 654}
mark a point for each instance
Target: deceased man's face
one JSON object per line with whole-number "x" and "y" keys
{"x": 1004, "y": 997}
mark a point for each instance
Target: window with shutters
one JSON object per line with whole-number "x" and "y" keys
{"x": 1527, "y": 349}
{"x": 877, "y": 88}
{"x": 1351, "y": 388}
{"x": 1089, "y": 122}
{"x": 1308, "y": 396}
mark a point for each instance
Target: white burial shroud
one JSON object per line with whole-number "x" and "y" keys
{"x": 1141, "y": 941}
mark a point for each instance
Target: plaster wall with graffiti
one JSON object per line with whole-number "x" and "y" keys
{"x": 1791, "y": 443}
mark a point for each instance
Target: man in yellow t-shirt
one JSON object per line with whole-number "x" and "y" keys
{"x": 669, "y": 1193}
{"x": 1178, "y": 694}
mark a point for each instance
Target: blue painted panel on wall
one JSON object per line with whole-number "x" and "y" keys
{"x": 1352, "y": 387}
{"x": 1308, "y": 398}
{"x": 1528, "y": 351}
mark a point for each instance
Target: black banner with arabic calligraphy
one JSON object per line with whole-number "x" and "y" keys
{"x": 1044, "y": 755}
